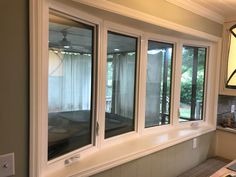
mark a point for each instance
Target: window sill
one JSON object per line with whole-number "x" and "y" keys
{"x": 118, "y": 154}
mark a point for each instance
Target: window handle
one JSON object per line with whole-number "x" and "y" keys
{"x": 97, "y": 128}
{"x": 179, "y": 112}
{"x": 72, "y": 160}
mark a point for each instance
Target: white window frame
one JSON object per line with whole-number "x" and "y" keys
{"x": 38, "y": 98}
{"x": 123, "y": 30}
{"x": 208, "y": 46}
{"x": 208, "y": 71}
{"x": 164, "y": 136}
{"x": 94, "y": 101}
{"x": 170, "y": 40}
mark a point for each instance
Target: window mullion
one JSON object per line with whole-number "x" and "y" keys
{"x": 142, "y": 85}
{"x": 194, "y": 82}
{"x": 177, "y": 65}
{"x": 164, "y": 89}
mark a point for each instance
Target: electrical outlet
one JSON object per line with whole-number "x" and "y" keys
{"x": 194, "y": 143}
{"x": 7, "y": 165}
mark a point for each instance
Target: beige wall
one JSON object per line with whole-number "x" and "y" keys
{"x": 169, "y": 162}
{"x": 168, "y": 11}
{"x": 14, "y": 90}
{"x": 226, "y": 144}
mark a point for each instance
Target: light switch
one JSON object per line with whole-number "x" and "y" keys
{"x": 7, "y": 165}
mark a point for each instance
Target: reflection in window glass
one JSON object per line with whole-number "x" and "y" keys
{"x": 158, "y": 84}
{"x": 192, "y": 83}
{"x": 69, "y": 85}
{"x": 120, "y": 84}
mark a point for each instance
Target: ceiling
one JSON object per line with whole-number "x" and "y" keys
{"x": 217, "y": 10}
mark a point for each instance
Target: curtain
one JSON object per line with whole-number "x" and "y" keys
{"x": 123, "y": 84}
{"x": 153, "y": 87}
{"x": 69, "y": 82}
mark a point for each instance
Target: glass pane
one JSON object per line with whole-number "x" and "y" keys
{"x": 186, "y": 83}
{"x": 192, "y": 83}
{"x": 120, "y": 84}
{"x": 69, "y": 85}
{"x": 200, "y": 83}
{"x": 158, "y": 84}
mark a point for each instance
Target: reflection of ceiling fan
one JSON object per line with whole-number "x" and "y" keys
{"x": 62, "y": 44}
{"x": 65, "y": 45}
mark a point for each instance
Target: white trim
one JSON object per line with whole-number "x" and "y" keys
{"x": 101, "y": 96}
{"x": 142, "y": 85}
{"x": 135, "y": 14}
{"x": 199, "y": 10}
{"x": 36, "y": 40}
{"x": 177, "y": 81}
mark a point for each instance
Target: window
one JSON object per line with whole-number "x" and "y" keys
{"x": 192, "y": 83}
{"x": 98, "y": 87}
{"x": 70, "y": 85}
{"x": 158, "y": 83}
{"x": 120, "y": 84}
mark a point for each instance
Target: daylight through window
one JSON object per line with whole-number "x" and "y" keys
{"x": 192, "y": 83}
{"x": 158, "y": 83}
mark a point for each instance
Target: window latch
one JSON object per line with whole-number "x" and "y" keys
{"x": 97, "y": 128}
{"x": 179, "y": 112}
{"x": 72, "y": 160}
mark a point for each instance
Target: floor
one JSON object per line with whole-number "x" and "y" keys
{"x": 206, "y": 168}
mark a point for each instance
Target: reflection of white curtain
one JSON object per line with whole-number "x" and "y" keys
{"x": 123, "y": 84}
{"x": 153, "y": 87}
{"x": 69, "y": 82}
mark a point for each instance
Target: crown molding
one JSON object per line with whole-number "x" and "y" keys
{"x": 231, "y": 19}
{"x": 135, "y": 14}
{"x": 199, "y": 10}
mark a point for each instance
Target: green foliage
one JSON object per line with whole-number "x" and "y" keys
{"x": 186, "y": 79}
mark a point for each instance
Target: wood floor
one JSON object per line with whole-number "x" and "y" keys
{"x": 206, "y": 168}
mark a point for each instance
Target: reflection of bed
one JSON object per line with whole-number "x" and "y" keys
{"x": 67, "y": 131}
{"x": 116, "y": 124}
{"x": 70, "y": 130}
